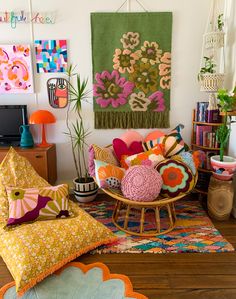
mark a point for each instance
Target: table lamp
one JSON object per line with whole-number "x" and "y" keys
{"x": 42, "y": 117}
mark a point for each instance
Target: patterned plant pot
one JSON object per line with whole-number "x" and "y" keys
{"x": 211, "y": 82}
{"x": 85, "y": 190}
{"x": 223, "y": 170}
{"x": 214, "y": 40}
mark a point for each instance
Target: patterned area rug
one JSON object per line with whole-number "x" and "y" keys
{"x": 76, "y": 280}
{"x": 194, "y": 231}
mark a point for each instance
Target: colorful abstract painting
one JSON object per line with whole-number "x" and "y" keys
{"x": 58, "y": 92}
{"x": 132, "y": 72}
{"x": 51, "y": 56}
{"x": 15, "y": 69}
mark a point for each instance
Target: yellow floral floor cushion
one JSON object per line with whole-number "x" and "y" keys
{"x": 33, "y": 251}
{"x": 16, "y": 171}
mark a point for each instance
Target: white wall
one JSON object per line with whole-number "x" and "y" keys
{"x": 73, "y": 24}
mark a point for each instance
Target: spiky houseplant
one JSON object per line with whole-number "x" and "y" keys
{"x": 224, "y": 166}
{"x": 85, "y": 187}
{"x": 226, "y": 102}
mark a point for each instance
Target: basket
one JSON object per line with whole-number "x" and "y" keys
{"x": 211, "y": 82}
{"x": 214, "y": 40}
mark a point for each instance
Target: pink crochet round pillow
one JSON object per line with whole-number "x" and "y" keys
{"x": 141, "y": 183}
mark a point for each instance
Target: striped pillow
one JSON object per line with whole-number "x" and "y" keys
{"x": 173, "y": 143}
{"x": 101, "y": 154}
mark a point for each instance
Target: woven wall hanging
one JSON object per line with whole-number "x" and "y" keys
{"x": 131, "y": 69}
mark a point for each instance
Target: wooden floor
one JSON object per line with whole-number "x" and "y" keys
{"x": 172, "y": 276}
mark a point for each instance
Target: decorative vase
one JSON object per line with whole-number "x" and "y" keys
{"x": 220, "y": 198}
{"x": 85, "y": 190}
{"x": 223, "y": 170}
{"x": 26, "y": 140}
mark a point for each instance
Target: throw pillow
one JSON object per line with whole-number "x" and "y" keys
{"x": 107, "y": 175}
{"x": 35, "y": 250}
{"x": 101, "y": 154}
{"x": 173, "y": 142}
{"x": 149, "y": 158}
{"x": 131, "y": 136}
{"x": 16, "y": 171}
{"x": 154, "y": 135}
{"x": 121, "y": 148}
{"x": 141, "y": 183}
{"x": 187, "y": 158}
{"x": 177, "y": 178}
{"x": 37, "y": 204}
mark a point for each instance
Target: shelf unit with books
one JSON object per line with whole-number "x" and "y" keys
{"x": 204, "y": 138}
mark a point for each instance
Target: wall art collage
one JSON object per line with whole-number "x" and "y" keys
{"x": 16, "y": 69}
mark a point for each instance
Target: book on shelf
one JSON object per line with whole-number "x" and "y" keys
{"x": 201, "y": 111}
{"x": 202, "y": 114}
{"x": 205, "y": 136}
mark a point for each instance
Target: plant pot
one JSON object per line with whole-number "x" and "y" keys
{"x": 85, "y": 190}
{"x": 211, "y": 82}
{"x": 223, "y": 170}
{"x": 214, "y": 40}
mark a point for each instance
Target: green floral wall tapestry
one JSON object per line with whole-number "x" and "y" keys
{"x": 131, "y": 69}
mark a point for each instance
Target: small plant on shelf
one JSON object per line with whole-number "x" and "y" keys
{"x": 208, "y": 68}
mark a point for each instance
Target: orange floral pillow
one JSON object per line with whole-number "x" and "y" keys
{"x": 108, "y": 175}
{"x": 150, "y": 158}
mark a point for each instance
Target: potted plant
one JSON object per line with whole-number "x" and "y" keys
{"x": 210, "y": 81}
{"x": 224, "y": 166}
{"x": 85, "y": 188}
{"x": 215, "y": 38}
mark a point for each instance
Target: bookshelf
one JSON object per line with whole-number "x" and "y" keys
{"x": 204, "y": 138}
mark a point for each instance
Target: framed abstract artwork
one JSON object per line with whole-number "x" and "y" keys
{"x": 15, "y": 69}
{"x": 132, "y": 72}
{"x": 58, "y": 92}
{"x": 51, "y": 56}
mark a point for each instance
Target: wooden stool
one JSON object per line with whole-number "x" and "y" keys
{"x": 220, "y": 198}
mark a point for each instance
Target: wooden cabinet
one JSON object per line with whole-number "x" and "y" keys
{"x": 43, "y": 159}
{"x": 205, "y": 171}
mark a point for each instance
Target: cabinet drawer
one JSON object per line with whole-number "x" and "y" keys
{"x": 38, "y": 161}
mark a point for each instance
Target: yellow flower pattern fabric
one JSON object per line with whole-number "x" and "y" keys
{"x": 16, "y": 171}
{"x": 34, "y": 251}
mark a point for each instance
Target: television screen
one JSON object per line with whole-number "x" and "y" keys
{"x": 11, "y": 118}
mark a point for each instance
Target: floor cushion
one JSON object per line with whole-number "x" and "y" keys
{"x": 34, "y": 251}
{"x": 16, "y": 171}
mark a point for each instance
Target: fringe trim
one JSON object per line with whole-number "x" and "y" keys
{"x": 135, "y": 120}
{"x": 54, "y": 268}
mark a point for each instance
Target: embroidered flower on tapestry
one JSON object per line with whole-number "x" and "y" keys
{"x": 132, "y": 69}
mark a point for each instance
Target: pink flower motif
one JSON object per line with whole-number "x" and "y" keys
{"x": 159, "y": 99}
{"x": 111, "y": 89}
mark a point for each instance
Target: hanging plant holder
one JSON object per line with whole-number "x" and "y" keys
{"x": 211, "y": 82}
{"x": 214, "y": 40}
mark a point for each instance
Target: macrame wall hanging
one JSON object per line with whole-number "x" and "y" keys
{"x": 212, "y": 65}
{"x": 131, "y": 69}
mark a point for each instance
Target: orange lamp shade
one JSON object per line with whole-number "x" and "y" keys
{"x": 42, "y": 117}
